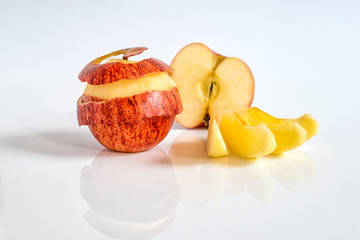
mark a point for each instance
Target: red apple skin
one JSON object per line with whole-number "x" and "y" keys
{"x": 133, "y": 109}
{"x": 130, "y": 124}
{"x": 97, "y": 74}
{"x": 133, "y": 137}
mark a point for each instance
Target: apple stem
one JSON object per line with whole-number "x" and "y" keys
{"x": 125, "y": 58}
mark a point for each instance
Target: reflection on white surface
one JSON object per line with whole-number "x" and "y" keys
{"x": 131, "y": 196}
{"x": 204, "y": 178}
{"x": 3, "y": 230}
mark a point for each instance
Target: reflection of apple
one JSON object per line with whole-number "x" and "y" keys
{"x": 300, "y": 169}
{"x": 130, "y": 196}
{"x": 203, "y": 178}
{"x": 129, "y": 106}
{"x": 253, "y": 177}
{"x": 3, "y": 227}
{"x": 188, "y": 154}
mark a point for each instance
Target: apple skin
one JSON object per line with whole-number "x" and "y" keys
{"x": 130, "y": 124}
{"x": 133, "y": 137}
{"x": 93, "y": 110}
{"x": 127, "y": 124}
{"x": 95, "y": 73}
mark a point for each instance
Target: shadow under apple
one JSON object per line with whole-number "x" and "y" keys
{"x": 64, "y": 143}
{"x": 131, "y": 196}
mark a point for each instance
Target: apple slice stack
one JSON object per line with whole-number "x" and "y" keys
{"x": 221, "y": 89}
{"x": 129, "y": 106}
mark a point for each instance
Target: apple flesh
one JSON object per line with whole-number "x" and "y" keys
{"x": 257, "y": 116}
{"x": 288, "y": 133}
{"x": 129, "y": 106}
{"x": 288, "y": 136}
{"x": 215, "y": 145}
{"x": 209, "y": 83}
{"x": 130, "y": 87}
{"x": 244, "y": 140}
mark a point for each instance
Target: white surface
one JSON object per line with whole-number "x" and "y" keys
{"x": 57, "y": 182}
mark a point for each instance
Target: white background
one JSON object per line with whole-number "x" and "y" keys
{"x": 305, "y": 59}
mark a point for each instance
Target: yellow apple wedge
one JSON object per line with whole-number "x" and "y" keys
{"x": 288, "y": 134}
{"x": 244, "y": 140}
{"x": 257, "y": 116}
{"x": 308, "y": 123}
{"x": 215, "y": 145}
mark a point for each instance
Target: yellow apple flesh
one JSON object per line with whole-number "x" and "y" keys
{"x": 288, "y": 134}
{"x": 244, "y": 140}
{"x": 215, "y": 145}
{"x": 209, "y": 83}
{"x": 233, "y": 87}
{"x": 256, "y": 116}
{"x": 128, "y": 87}
{"x": 125, "y": 88}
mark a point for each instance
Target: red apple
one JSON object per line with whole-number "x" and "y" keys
{"x": 128, "y": 106}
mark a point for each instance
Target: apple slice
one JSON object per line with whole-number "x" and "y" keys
{"x": 244, "y": 140}
{"x": 308, "y": 123}
{"x": 288, "y": 136}
{"x": 209, "y": 83}
{"x": 289, "y": 133}
{"x": 215, "y": 145}
{"x": 257, "y": 116}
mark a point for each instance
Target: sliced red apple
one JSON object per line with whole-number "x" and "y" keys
{"x": 129, "y": 106}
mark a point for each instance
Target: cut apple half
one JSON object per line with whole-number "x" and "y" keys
{"x": 244, "y": 140}
{"x": 209, "y": 83}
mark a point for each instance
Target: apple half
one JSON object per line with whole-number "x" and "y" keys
{"x": 128, "y": 106}
{"x": 209, "y": 84}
